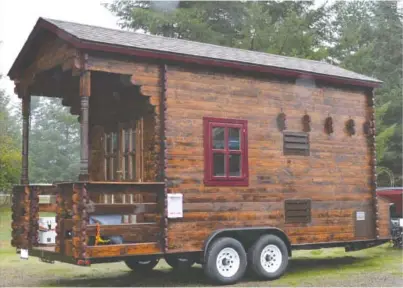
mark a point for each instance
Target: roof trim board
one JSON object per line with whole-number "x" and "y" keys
{"x": 89, "y": 45}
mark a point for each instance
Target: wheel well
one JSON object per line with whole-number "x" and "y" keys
{"x": 247, "y": 236}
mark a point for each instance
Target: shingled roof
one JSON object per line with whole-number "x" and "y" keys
{"x": 173, "y": 46}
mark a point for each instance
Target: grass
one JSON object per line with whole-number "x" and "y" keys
{"x": 324, "y": 267}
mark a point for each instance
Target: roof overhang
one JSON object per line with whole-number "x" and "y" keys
{"x": 81, "y": 44}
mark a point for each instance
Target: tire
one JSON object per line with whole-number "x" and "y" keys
{"x": 179, "y": 262}
{"x": 225, "y": 261}
{"x": 268, "y": 257}
{"x": 141, "y": 265}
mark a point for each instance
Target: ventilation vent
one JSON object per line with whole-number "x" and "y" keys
{"x": 297, "y": 211}
{"x": 296, "y": 143}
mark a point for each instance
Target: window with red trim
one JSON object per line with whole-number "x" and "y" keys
{"x": 225, "y": 152}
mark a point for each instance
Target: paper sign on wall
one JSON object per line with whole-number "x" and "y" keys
{"x": 175, "y": 205}
{"x": 360, "y": 216}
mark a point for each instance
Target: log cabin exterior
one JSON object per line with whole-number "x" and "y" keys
{"x": 256, "y": 144}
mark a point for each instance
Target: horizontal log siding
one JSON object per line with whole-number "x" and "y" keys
{"x": 336, "y": 175}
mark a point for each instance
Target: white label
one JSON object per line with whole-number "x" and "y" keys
{"x": 401, "y": 222}
{"x": 24, "y": 254}
{"x": 175, "y": 205}
{"x": 360, "y": 216}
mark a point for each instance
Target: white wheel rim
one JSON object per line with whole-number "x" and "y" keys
{"x": 228, "y": 262}
{"x": 271, "y": 258}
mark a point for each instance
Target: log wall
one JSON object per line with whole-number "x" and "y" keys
{"x": 337, "y": 176}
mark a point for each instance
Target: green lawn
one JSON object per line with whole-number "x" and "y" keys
{"x": 325, "y": 267}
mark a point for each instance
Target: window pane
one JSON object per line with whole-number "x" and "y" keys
{"x": 108, "y": 143}
{"x": 107, "y": 169}
{"x": 127, "y": 140}
{"x": 133, "y": 167}
{"x": 133, "y": 132}
{"x": 234, "y": 139}
{"x": 115, "y": 168}
{"x": 234, "y": 165}
{"x": 218, "y": 138}
{"x": 126, "y": 172}
{"x": 219, "y": 164}
{"x": 114, "y": 142}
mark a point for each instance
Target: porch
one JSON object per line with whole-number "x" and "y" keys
{"x": 120, "y": 191}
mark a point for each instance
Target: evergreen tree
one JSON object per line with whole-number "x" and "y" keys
{"x": 10, "y": 154}
{"x": 54, "y": 142}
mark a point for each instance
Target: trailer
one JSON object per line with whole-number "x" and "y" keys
{"x": 196, "y": 153}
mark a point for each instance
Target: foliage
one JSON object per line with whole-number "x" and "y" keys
{"x": 366, "y": 37}
{"x": 10, "y": 155}
{"x": 362, "y": 36}
{"x": 54, "y": 142}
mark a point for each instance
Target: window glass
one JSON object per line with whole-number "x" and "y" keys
{"x": 234, "y": 139}
{"x": 219, "y": 164}
{"x": 126, "y": 172}
{"x": 218, "y": 138}
{"x": 133, "y": 135}
{"x": 234, "y": 165}
{"x": 133, "y": 167}
{"x": 114, "y": 142}
{"x": 127, "y": 140}
{"x": 108, "y": 143}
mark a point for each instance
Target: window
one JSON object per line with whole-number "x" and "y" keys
{"x": 296, "y": 143}
{"x": 111, "y": 155}
{"x": 123, "y": 157}
{"x": 225, "y": 152}
{"x": 128, "y": 153}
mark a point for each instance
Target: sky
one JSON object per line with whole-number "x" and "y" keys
{"x": 18, "y": 17}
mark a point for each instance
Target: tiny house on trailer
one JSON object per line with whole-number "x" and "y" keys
{"x": 197, "y": 153}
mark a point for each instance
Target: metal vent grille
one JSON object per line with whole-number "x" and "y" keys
{"x": 296, "y": 143}
{"x": 297, "y": 210}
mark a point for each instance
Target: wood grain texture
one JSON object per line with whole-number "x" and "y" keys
{"x": 123, "y": 250}
{"x": 131, "y": 233}
{"x": 383, "y": 218}
{"x": 51, "y": 53}
{"x": 336, "y": 176}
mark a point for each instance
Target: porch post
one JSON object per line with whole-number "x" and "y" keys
{"x": 85, "y": 92}
{"x": 26, "y": 111}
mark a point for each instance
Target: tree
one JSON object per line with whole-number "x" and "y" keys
{"x": 362, "y": 36}
{"x": 10, "y": 155}
{"x": 366, "y": 37}
{"x": 286, "y": 28}
{"x": 54, "y": 142}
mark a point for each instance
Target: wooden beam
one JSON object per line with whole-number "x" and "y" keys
{"x": 123, "y": 250}
{"x": 26, "y": 111}
{"x": 53, "y": 53}
{"x": 85, "y": 92}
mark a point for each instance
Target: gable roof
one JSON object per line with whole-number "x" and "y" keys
{"x": 124, "y": 42}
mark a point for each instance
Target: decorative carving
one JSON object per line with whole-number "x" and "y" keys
{"x": 350, "y": 127}
{"x": 281, "y": 121}
{"x": 329, "y": 125}
{"x": 306, "y": 123}
{"x": 367, "y": 129}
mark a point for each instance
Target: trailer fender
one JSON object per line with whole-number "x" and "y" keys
{"x": 247, "y": 236}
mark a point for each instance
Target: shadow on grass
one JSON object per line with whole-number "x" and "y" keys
{"x": 195, "y": 276}
{"x": 154, "y": 278}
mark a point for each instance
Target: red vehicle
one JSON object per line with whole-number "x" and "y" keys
{"x": 394, "y": 196}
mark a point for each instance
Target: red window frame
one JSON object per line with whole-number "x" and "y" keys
{"x": 209, "y": 179}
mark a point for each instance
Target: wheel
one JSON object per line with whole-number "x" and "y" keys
{"x": 225, "y": 261}
{"x": 141, "y": 265}
{"x": 179, "y": 262}
{"x": 268, "y": 257}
